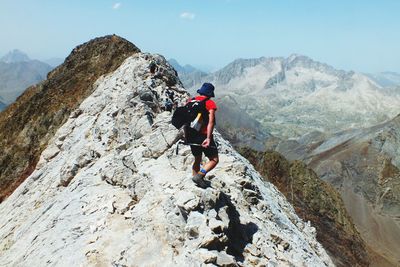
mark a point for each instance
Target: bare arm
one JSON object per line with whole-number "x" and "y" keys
{"x": 210, "y": 127}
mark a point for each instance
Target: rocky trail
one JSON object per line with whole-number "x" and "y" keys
{"x": 110, "y": 190}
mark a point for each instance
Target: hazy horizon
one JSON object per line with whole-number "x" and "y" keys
{"x": 357, "y": 35}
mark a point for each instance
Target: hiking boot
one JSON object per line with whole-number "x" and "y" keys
{"x": 199, "y": 180}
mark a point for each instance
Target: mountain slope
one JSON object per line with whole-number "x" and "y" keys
{"x": 239, "y": 127}
{"x": 28, "y": 124}
{"x": 386, "y": 78}
{"x": 15, "y": 77}
{"x": 296, "y": 95}
{"x": 15, "y": 56}
{"x": 2, "y": 106}
{"x": 109, "y": 189}
{"x": 315, "y": 201}
{"x": 188, "y": 74}
{"x": 364, "y": 165}
{"x": 54, "y": 62}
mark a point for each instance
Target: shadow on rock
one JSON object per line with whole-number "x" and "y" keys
{"x": 239, "y": 235}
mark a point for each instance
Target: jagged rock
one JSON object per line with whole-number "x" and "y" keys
{"x": 207, "y": 256}
{"x": 217, "y": 226}
{"x": 187, "y": 200}
{"x": 51, "y": 152}
{"x": 194, "y": 222}
{"x": 146, "y": 96}
{"x": 225, "y": 260}
{"x": 316, "y": 201}
{"x": 131, "y": 202}
{"x": 28, "y": 124}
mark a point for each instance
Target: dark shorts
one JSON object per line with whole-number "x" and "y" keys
{"x": 197, "y": 138}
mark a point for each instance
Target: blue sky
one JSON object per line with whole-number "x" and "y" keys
{"x": 351, "y": 35}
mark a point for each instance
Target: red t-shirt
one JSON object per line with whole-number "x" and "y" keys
{"x": 209, "y": 106}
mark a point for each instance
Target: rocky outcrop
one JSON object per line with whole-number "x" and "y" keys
{"x": 28, "y": 124}
{"x": 316, "y": 201}
{"x": 110, "y": 190}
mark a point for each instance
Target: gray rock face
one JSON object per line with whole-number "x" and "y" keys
{"x": 110, "y": 190}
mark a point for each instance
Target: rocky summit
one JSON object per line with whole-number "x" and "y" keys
{"x": 112, "y": 189}
{"x": 31, "y": 121}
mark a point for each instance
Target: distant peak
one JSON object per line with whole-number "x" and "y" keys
{"x": 15, "y": 56}
{"x": 104, "y": 47}
{"x": 294, "y": 57}
{"x": 173, "y": 60}
{"x": 113, "y": 42}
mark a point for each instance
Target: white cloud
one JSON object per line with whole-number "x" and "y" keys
{"x": 116, "y": 5}
{"x": 188, "y": 15}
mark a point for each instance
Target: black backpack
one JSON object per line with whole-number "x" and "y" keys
{"x": 188, "y": 113}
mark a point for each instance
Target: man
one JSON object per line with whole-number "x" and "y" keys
{"x": 204, "y": 137}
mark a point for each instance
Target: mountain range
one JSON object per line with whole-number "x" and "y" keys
{"x": 15, "y": 56}
{"x": 340, "y": 123}
{"x": 17, "y": 72}
{"x": 97, "y": 180}
{"x": 188, "y": 74}
{"x": 296, "y": 95}
{"x": 90, "y": 164}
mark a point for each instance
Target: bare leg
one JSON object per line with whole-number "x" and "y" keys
{"x": 213, "y": 161}
{"x": 196, "y": 165}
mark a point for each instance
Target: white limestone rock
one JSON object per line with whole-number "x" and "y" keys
{"x": 110, "y": 190}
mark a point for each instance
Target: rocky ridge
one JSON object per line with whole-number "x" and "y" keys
{"x": 109, "y": 189}
{"x": 29, "y": 123}
{"x": 316, "y": 201}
